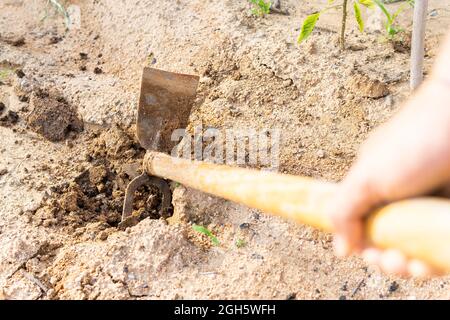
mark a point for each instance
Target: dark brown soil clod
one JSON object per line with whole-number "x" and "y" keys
{"x": 9, "y": 119}
{"x": 23, "y": 98}
{"x": 52, "y": 117}
{"x": 20, "y": 73}
{"x": 98, "y": 70}
{"x": 393, "y": 287}
{"x": 54, "y": 40}
{"x": 16, "y": 42}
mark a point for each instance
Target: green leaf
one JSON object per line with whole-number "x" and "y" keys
{"x": 206, "y": 232}
{"x": 367, "y": 3}
{"x": 391, "y": 30}
{"x": 358, "y": 16}
{"x": 266, "y": 6}
{"x": 384, "y": 10}
{"x": 255, "y": 12}
{"x": 330, "y": 1}
{"x": 308, "y": 26}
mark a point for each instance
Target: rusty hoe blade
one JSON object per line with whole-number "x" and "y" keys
{"x": 165, "y": 104}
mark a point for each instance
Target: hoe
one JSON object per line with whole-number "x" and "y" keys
{"x": 419, "y": 227}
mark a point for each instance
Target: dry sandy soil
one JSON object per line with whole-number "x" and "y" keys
{"x": 68, "y": 148}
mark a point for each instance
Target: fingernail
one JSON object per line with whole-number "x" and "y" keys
{"x": 341, "y": 246}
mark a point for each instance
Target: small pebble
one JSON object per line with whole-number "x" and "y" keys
{"x": 257, "y": 256}
{"x": 434, "y": 13}
{"x": 51, "y": 293}
{"x": 287, "y": 83}
{"x": 103, "y": 235}
{"x": 23, "y": 98}
{"x": 47, "y": 223}
{"x": 321, "y": 154}
{"x": 291, "y": 296}
{"x": 244, "y": 225}
{"x": 18, "y": 42}
{"x": 53, "y": 280}
{"x": 54, "y": 40}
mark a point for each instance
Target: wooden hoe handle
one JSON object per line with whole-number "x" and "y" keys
{"x": 418, "y": 227}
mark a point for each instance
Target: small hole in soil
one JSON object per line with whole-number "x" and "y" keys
{"x": 147, "y": 203}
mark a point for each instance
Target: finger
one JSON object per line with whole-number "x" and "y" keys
{"x": 372, "y": 256}
{"x": 341, "y": 246}
{"x": 351, "y": 203}
{"x": 419, "y": 269}
{"x": 394, "y": 262}
{"x": 444, "y": 191}
{"x": 349, "y": 238}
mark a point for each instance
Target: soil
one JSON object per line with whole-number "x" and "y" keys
{"x": 68, "y": 148}
{"x": 51, "y": 116}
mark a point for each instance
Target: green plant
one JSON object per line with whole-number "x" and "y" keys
{"x": 310, "y": 22}
{"x": 206, "y": 232}
{"x": 176, "y": 184}
{"x": 5, "y": 72}
{"x": 261, "y": 7}
{"x": 59, "y": 7}
{"x": 391, "y": 29}
{"x": 240, "y": 243}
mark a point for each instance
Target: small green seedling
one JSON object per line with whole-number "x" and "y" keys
{"x": 5, "y": 72}
{"x": 59, "y": 7}
{"x": 391, "y": 29}
{"x": 310, "y": 22}
{"x": 176, "y": 184}
{"x": 240, "y": 243}
{"x": 206, "y": 232}
{"x": 261, "y": 7}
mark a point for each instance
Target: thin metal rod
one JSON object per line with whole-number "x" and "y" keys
{"x": 418, "y": 43}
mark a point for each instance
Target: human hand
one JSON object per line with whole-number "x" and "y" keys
{"x": 408, "y": 156}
